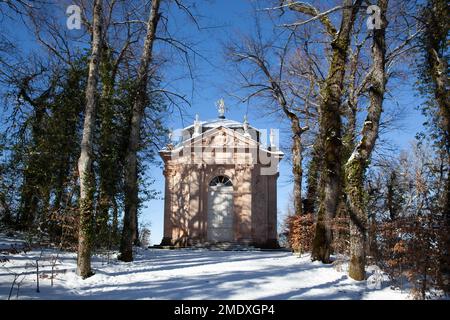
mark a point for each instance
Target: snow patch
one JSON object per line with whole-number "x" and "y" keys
{"x": 190, "y": 274}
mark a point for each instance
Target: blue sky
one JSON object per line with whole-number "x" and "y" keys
{"x": 222, "y": 20}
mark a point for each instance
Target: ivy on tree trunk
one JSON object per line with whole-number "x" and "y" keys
{"x": 356, "y": 166}
{"x": 330, "y": 135}
{"x": 86, "y": 200}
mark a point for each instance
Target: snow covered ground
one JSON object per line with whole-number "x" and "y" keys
{"x": 185, "y": 274}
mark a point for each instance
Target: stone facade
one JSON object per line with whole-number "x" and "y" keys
{"x": 243, "y": 211}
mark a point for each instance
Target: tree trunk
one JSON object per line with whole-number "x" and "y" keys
{"x": 85, "y": 172}
{"x": 351, "y": 105}
{"x": 129, "y": 231}
{"x": 29, "y": 204}
{"x": 33, "y": 180}
{"x": 136, "y": 240}
{"x": 7, "y": 218}
{"x": 349, "y": 135}
{"x": 357, "y": 164}
{"x": 313, "y": 179}
{"x": 108, "y": 158}
{"x": 330, "y": 135}
{"x": 115, "y": 221}
{"x": 297, "y": 169}
{"x": 436, "y": 33}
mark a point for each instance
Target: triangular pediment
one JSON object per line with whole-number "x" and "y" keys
{"x": 219, "y": 145}
{"x": 222, "y": 136}
{"x": 215, "y": 145}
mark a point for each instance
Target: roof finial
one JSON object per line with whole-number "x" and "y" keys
{"x": 246, "y": 126}
{"x": 272, "y": 139}
{"x": 220, "y": 104}
{"x": 196, "y": 126}
{"x": 169, "y": 145}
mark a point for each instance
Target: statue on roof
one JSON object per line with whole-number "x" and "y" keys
{"x": 220, "y": 104}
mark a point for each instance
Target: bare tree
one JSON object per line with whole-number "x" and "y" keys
{"x": 289, "y": 88}
{"x": 357, "y": 164}
{"x": 435, "y": 77}
{"x": 129, "y": 233}
{"x": 330, "y": 118}
{"x": 86, "y": 200}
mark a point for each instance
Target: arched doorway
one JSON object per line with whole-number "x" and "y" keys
{"x": 220, "y": 210}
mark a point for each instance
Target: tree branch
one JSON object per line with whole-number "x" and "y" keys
{"x": 310, "y": 10}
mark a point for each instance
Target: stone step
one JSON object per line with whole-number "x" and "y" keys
{"x": 219, "y": 246}
{"x": 229, "y": 246}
